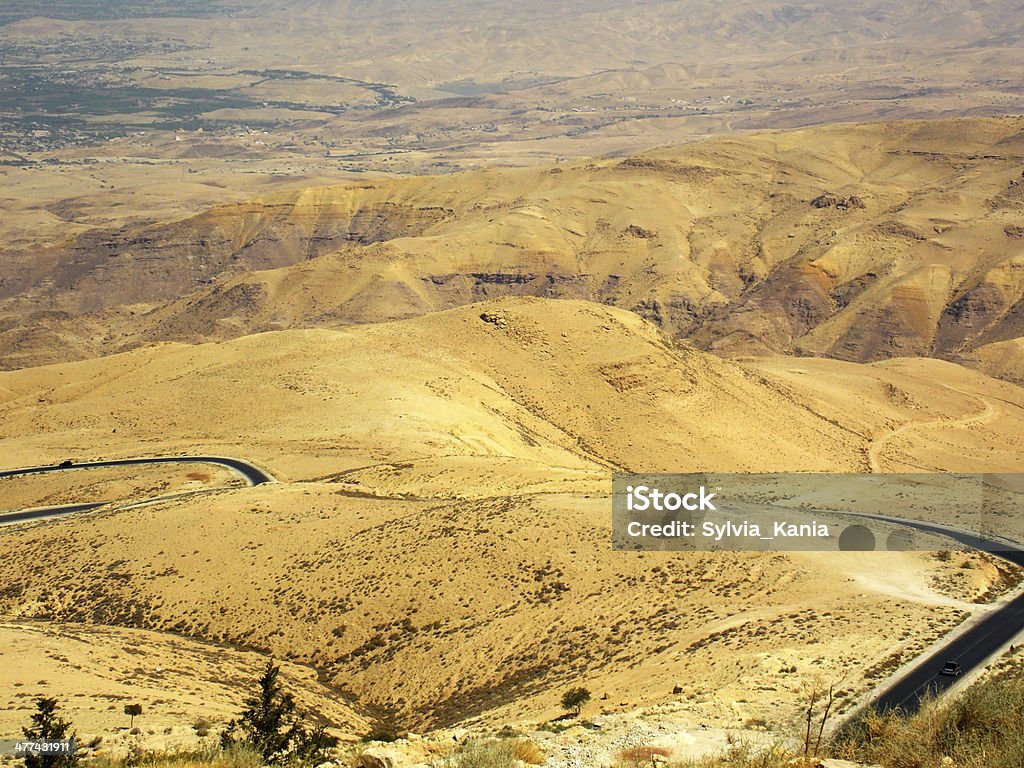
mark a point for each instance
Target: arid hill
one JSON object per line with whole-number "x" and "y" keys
{"x": 441, "y": 553}
{"x": 441, "y": 268}
{"x": 181, "y": 683}
{"x": 854, "y": 242}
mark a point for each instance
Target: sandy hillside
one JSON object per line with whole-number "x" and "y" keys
{"x": 442, "y": 277}
{"x": 116, "y": 485}
{"x": 441, "y": 550}
{"x": 917, "y": 411}
{"x": 432, "y": 612}
{"x": 858, "y": 242}
{"x": 95, "y": 671}
{"x": 554, "y": 383}
{"x": 1002, "y": 359}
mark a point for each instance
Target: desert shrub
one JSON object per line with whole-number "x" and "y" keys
{"x": 385, "y": 735}
{"x": 527, "y": 751}
{"x": 202, "y": 727}
{"x": 982, "y": 727}
{"x": 744, "y": 755}
{"x": 482, "y": 753}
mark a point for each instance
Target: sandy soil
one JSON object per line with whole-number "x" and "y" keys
{"x": 439, "y": 550}
{"x": 94, "y": 671}
{"x": 120, "y": 484}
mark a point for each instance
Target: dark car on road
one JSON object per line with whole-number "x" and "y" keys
{"x": 66, "y": 463}
{"x": 950, "y": 669}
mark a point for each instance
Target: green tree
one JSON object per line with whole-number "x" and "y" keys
{"x": 270, "y": 725}
{"x": 574, "y": 699}
{"x": 133, "y": 711}
{"x": 47, "y": 725}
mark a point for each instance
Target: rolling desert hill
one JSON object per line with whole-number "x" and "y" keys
{"x": 439, "y": 553}
{"x": 1001, "y": 359}
{"x": 857, "y": 242}
{"x": 442, "y": 267}
{"x": 125, "y": 111}
{"x": 550, "y": 383}
{"x": 181, "y": 682}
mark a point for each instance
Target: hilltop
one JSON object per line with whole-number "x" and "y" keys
{"x": 440, "y": 553}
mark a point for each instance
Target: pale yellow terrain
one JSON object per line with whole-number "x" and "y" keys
{"x": 552, "y": 383}
{"x": 1002, "y": 359}
{"x": 47, "y": 205}
{"x": 94, "y": 671}
{"x": 111, "y": 484}
{"x": 444, "y": 611}
{"x": 440, "y": 549}
{"x": 915, "y": 411}
{"x": 442, "y": 268}
{"x": 718, "y": 242}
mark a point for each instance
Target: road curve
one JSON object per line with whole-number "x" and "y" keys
{"x": 37, "y": 514}
{"x": 972, "y": 648}
{"x": 252, "y": 474}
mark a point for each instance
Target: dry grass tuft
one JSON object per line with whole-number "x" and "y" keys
{"x": 212, "y": 757}
{"x": 527, "y": 751}
{"x": 494, "y": 753}
{"x": 982, "y": 728}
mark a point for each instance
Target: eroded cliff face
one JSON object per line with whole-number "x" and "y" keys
{"x": 855, "y": 242}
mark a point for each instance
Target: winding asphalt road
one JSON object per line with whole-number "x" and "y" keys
{"x": 250, "y": 472}
{"x": 970, "y": 649}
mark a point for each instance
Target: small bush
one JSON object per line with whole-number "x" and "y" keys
{"x": 740, "y": 755}
{"x": 527, "y": 751}
{"x": 481, "y": 754}
{"x": 381, "y": 734}
{"x": 201, "y": 727}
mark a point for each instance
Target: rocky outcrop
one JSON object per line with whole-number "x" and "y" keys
{"x": 831, "y": 200}
{"x": 378, "y": 757}
{"x": 639, "y": 232}
{"x": 498, "y": 321}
